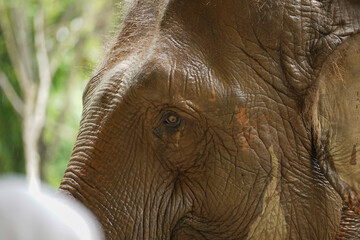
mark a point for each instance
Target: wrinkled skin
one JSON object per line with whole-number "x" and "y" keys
{"x": 221, "y": 120}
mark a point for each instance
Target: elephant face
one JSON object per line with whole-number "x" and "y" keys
{"x": 204, "y": 122}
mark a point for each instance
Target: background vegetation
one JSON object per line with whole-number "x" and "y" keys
{"x": 48, "y": 49}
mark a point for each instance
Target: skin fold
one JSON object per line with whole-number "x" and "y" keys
{"x": 224, "y": 120}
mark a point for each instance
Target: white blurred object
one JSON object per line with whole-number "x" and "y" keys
{"x": 35, "y": 215}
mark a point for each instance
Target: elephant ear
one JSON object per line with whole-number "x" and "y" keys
{"x": 333, "y": 103}
{"x": 335, "y": 109}
{"x": 341, "y": 22}
{"x": 336, "y": 125}
{"x": 312, "y": 30}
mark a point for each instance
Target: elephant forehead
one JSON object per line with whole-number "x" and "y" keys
{"x": 164, "y": 77}
{"x": 115, "y": 80}
{"x": 190, "y": 56}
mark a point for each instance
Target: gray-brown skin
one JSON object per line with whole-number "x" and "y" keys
{"x": 207, "y": 120}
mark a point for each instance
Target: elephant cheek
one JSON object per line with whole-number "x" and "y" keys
{"x": 127, "y": 189}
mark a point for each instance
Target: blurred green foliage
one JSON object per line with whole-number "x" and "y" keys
{"x": 11, "y": 148}
{"x": 75, "y": 32}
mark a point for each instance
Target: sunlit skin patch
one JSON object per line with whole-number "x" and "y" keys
{"x": 177, "y": 137}
{"x": 213, "y": 96}
{"x": 263, "y": 225}
{"x": 248, "y": 133}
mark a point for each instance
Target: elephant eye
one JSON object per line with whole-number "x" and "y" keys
{"x": 171, "y": 119}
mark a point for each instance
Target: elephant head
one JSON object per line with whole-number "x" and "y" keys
{"x": 215, "y": 119}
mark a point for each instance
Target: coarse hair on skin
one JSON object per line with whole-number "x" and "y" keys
{"x": 121, "y": 10}
{"x": 140, "y": 21}
{"x": 131, "y": 47}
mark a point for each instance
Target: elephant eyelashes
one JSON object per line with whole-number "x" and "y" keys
{"x": 171, "y": 119}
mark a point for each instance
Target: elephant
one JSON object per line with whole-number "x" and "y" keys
{"x": 214, "y": 119}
